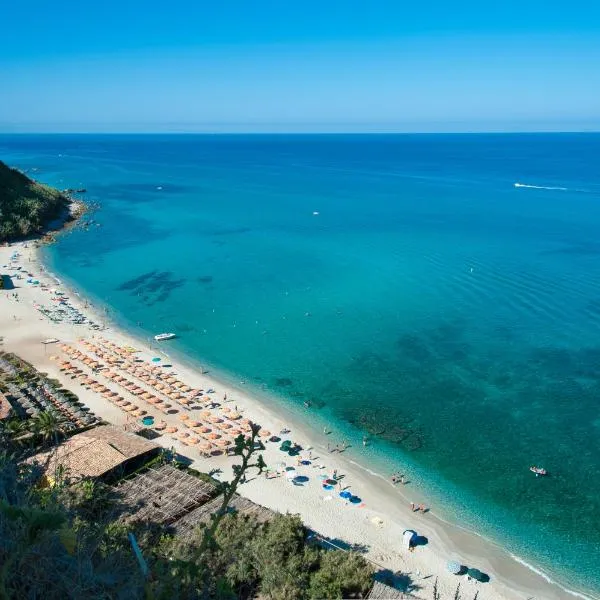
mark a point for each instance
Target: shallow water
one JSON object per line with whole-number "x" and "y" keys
{"x": 431, "y": 304}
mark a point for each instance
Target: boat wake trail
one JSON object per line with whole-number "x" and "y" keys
{"x": 542, "y": 187}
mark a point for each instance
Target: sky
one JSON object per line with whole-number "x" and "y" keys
{"x": 254, "y": 65}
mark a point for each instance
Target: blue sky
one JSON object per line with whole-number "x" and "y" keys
{"x": 300, "y": 66}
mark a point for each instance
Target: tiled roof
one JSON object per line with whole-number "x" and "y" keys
{"x": 93, "y": 452}
{"x": 5, "y": 407}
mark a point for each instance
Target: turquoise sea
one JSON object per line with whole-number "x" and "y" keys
{"x": 401, "y": 284}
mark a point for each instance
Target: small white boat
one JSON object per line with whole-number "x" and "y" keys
{"x": 538, "y": 471}
{"x": 161, "y": 337}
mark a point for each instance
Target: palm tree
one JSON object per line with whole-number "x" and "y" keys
{"x": 11, "y": 431}
{"x": 48, "y": 425}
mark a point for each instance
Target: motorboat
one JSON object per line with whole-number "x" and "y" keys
{"x": 538, "y": 471}
{"x": 161, "y": 337}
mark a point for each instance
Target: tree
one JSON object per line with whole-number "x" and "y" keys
{"x": 48, "y": 425}
{"x": 284, "y": 561}
{"x": 244, "y": 447}
{"x": 341, "y": 575}
{"x": 11, "y": 429}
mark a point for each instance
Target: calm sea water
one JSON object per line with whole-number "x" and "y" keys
{"x": 402, "y": 284}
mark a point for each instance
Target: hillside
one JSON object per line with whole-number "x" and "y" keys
{"x": 26, "y": 207}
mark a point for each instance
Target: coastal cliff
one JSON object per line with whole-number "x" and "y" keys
{"x": 29, "y": 208}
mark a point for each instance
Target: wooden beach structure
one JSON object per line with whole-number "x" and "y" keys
{"x": 381, "y": 591}
{"x": 185, "y": 526}
{"x": 161, "y": 494}
{"x": 95, "y": 453}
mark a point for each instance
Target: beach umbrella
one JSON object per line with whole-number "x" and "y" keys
{"x": 193, "y": 440}
{"x": 477, "y": 575}
{"x": 171, "y": 429}
{"x": 223, "y": 443}
{"x": 183, "y": 417}
{"x": 156, "y": 359}
{"x": 264, "y": 433}
{"x": 454, "y": 567}
{"x": 346, "y": 495}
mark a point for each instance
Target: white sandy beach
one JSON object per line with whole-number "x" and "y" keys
{"x": 377, "y": 523}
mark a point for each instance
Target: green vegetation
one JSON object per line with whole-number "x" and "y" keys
{"x": 67, "y": 542}
{"x": 26, "y": 206}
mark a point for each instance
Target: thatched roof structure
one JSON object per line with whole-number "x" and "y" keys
{"x": 381, "y": 591}
{"x": 5, "y": 407}
{"x": 161, "y": 495}
{"x": 186, "y": 525}
{"x": 94, "y": 453}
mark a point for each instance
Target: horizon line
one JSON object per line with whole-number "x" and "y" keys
{"x": 301, "y": 133}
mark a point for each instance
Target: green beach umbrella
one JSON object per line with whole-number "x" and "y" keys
{"x": 477, "y": 574}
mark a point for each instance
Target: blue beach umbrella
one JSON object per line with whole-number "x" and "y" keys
{"x": 345, "y": 495}
{"x": 156, "y": 359}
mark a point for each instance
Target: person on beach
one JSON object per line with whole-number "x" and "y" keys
{"x": 393, "y": 478}
{"x": 334, "y": 476}
{"x": 328, "y": 447}
{"x": 412, "y": 506}
{"x": 422, "y": 508}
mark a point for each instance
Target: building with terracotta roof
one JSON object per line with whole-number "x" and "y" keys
{"x": 95, "y": 453}
{"x": 5, "y": 407}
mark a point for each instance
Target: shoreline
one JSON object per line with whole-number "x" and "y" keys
{"x": 512, "y": 577}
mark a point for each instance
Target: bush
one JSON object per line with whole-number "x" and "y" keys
{"x": 26, "y": 206}
{"x": 341, "y": 575}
